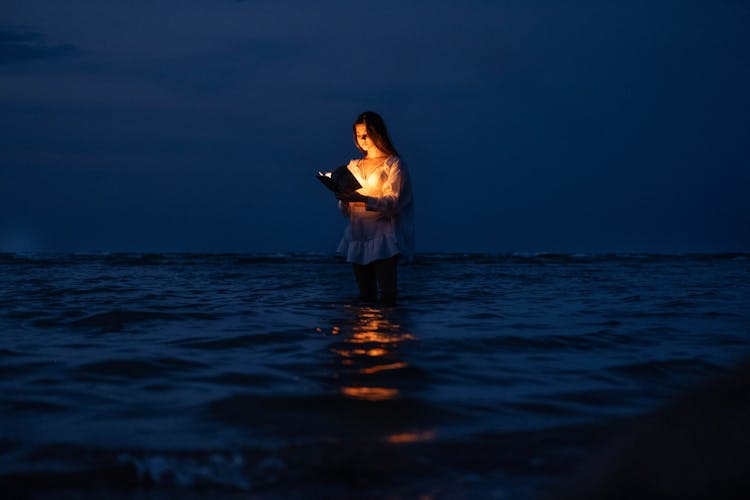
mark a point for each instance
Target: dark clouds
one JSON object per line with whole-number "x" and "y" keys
{"x": 18, "y": 47}
{"x": 529, "y": 126}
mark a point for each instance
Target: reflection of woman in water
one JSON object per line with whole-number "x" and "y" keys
{"x": 381, "y": 213}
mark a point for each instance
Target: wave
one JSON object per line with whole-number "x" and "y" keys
{"x": 401, "y": 465}
{"x": 155, "y": 259}
{"x": 259, "y": 365}
{"x": 138, "y": 369}
{"x": 116, "y": 320}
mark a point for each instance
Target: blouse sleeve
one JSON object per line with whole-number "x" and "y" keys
{"x": 396, "y": 191}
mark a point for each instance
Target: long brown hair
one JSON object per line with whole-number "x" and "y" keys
{"x": 376, "y": 131}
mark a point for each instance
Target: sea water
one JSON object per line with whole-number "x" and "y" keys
{"x": 228, "y": 376}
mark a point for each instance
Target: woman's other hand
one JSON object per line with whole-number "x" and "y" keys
{"x": 351, "y": 197}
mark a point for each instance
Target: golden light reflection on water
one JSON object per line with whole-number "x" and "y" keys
{"x": 369, "y": 352}
{"x": 411, "y": 437}
{"x": 348, "y": 353}
{"x": 370, "y": 393}
{"x": 371, "y": 369}
{"x": 381, "y": 368}
{"x": 375, "y": 336}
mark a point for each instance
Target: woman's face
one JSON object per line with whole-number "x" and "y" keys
{"x": 363, "y": 140}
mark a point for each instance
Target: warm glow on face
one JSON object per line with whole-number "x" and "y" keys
{"x": 411, "y": 437}
{"x": 370, "y": 393}
{"x": 360, "y": 130}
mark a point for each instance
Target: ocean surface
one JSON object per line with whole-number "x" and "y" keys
{"x": 261, "y": 376}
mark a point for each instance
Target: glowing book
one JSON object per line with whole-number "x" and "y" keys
{"x": 340, "y": 180}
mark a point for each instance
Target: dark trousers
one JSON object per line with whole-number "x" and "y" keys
{"x": 380, "y": 273}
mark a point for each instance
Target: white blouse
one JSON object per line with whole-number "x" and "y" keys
{"x": 384, "y": 226}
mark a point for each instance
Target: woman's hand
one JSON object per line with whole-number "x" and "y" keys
{"x": 351, "y": 197}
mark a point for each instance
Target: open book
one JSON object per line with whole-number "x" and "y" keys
{"x": 340, "y": 180}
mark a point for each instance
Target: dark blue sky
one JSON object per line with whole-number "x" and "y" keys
{"x": 528, "y": 125}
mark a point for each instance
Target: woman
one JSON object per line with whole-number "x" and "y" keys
{"x": 381, "y": 213}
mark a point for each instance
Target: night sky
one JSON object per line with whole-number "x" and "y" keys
{"x": 528, "y": 125}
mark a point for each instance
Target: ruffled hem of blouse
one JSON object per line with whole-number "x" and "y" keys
{"x": 364, "y": 252}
